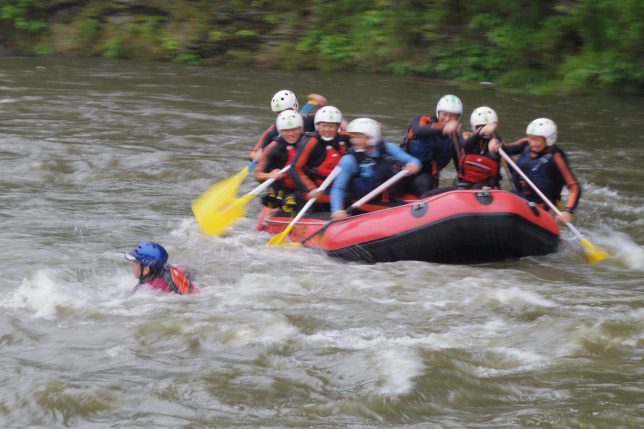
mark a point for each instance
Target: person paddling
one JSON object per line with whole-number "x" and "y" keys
{"x": 318, "y": 154}
{"x": 277, "y": 155}
{"x": 479, "y": 167}
{"x": 286, "y": 100}
{"x": 149, "y": 265}
{"x": 369, "y": 163}
{"x": 434, "y": 140}
{"x": 546, "y": 165}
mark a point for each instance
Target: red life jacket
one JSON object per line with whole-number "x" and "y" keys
{"x": 475, "y": 168}
{"x": 478, "y": 168}
{"x": 331, "y": 160}
{"x": 281, "y": 156}
{"x": 173, "y": 279}
{"x": 181, "y": 282}
{"x": 287, "y": 181}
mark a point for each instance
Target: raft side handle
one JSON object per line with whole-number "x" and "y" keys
{"x": 484, "y": 198}
{"x": 534, "y": 208}
{"x": 419, "y": 209}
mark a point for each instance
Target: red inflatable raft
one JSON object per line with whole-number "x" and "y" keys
{"x": 460, "y": 227}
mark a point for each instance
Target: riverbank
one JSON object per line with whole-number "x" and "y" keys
{"x": 563, "y": 48}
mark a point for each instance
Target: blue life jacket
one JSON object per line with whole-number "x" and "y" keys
{"x": 539, "y": 170}
{"x": 372, "y": 171}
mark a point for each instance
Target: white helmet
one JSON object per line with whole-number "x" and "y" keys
{"x": 449, "y": 104}
{"x": 328, "y": 114}
{"x": 283, "y": 100}
{"x": 545, "y": 128}
{"x": 482, "y": 116}
{"x": 289, "y": 119}
{"x": 368, "y": 127}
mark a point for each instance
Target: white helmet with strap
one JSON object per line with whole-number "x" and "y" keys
{"x": 450, "y": 104}
{"x": 545, "y": 128}
{"x": 289, "y": 119}
{"x": 368, "y": 127}
{"x": 328, "y": 114}
{"x": 482, "y": 116}
{"x": 283, "y": 100}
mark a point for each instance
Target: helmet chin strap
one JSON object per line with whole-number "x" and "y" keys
{"x": 144, "y": 278}
{"x": 327, "y": 139}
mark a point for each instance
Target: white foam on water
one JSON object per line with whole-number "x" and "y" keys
{"x": 368, "y": 338}
{"x": 621, "y": 248}
{"x": 115, "y": 351}
{"x": 515, "y": 296}
{"x": 603, "y": 333}
{"x": 507, "y": 360}
{"x": 41, "y": 295}
{"x": 256, "y": 327}
{"x": 396, "y": 370}
{"x": 256, "y": 288}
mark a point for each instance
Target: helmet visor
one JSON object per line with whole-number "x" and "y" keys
{"x": 129, "y": 257}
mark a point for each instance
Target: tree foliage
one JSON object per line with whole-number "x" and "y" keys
{"x": 543, "y": 45}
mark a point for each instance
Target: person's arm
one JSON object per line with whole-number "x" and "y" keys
{"x": 574, "y": 189}
{"x": 411, "y": 163}
{"x": 471, "y": 143}
{"x": 423, "y": 126}
{"x": 349, "y": 166}
{"x": 261, "y": 173}
{"x": 302, "y": 181}
{"x": 515, "y": 148}
{"x": 266, "y": 137}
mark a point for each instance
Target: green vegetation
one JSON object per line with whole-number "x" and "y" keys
{"x": 570, "y": 46}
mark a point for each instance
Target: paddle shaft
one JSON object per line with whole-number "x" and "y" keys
{"x": 550, "y": 204}
{"x": 363, "y": 200}
{"x": 279, "y": 238}
{"x": 258, "y": 190}
{"x": 322, "y": 188}
{"x": 379, "y": 189}
{"x": 255, "y": 161}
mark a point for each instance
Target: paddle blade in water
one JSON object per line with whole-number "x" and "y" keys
{"x": 218, "y": 196}
{"x": 279, "y": 238}
{"x": 593, "y": 253}
{"x": 217, "y": 223}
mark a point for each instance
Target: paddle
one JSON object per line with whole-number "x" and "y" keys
{"x": 279, "y": 238}
{"x": 220, "y": 194}
{"x": 216, "y": 221}
{"x": 593, "y": 253}
{"x": 361, "y": 201}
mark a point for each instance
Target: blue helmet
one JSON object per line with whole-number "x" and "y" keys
{"x": 149, "y": 254}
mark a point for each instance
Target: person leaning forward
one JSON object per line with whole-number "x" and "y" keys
{"x": 277, "y": 155}
{"x": 368, "y": 164}
{"x": 546, "y": 165}
{"x": 318, "y": 154}
{"x": 434, "y": 140}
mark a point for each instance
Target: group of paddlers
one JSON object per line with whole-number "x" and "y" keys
{"x": 313, "y": 144}
{"x": 305, "y": 146}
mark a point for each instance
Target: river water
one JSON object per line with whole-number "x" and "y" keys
{"x": 96, "y": 156}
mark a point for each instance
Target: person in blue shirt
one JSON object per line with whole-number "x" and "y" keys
{"x": 369, "y": 163}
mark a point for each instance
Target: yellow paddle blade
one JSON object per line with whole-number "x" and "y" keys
{"x": 217, "y": 223}
{"x": 279, "y": 238}
{"x": 217, "y": 197}
{"x": 593, "y": 253}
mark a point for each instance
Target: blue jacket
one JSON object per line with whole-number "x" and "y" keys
{"x": 349, "y": 166}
